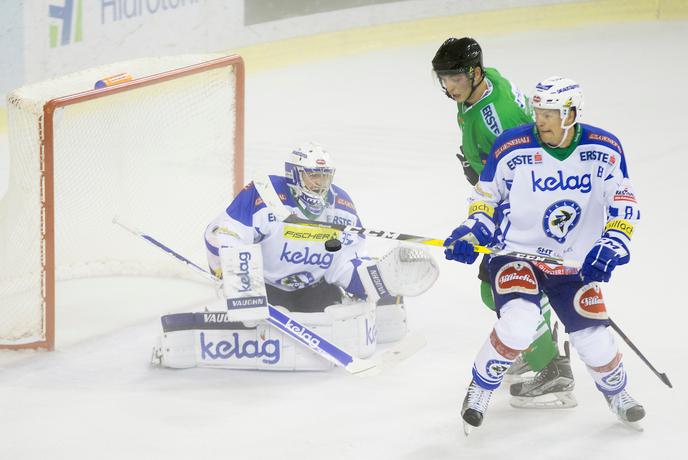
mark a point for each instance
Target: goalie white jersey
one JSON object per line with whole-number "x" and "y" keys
{"x": 552, "y": 206}
{"x": 294, "y": 256}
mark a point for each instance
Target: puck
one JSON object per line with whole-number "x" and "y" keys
{"x": 333, "y": 245}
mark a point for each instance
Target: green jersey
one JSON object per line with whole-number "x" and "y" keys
{"x": 503, "y": 106}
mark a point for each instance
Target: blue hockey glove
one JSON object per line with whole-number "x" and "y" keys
{"x": 464, "y": 238}
{"x": 604, "y": 256}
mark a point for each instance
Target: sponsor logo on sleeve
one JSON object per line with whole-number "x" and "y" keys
{"x": 620, "y": 225}
{"x": 480, "y": 206}
{"x": 606, "y": 139}
{"x": 511, "y": 143}
{"x": 517, "y": 277}
{"x": 346, "y": 203}
{"x": 491, "y": 119}
{"x": 589, "y": 302}
{"x": 624, "y": 195}
{"x": 560, "y": 218}
{"x": 224, "y": 231}
{"x": 479, "y": 190}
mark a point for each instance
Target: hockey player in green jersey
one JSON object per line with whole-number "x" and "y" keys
{"x": 488, "y": 104}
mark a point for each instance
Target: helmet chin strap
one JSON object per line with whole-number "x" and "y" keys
{"x": 566, "y": 131}
{"x": 475, "y": 85}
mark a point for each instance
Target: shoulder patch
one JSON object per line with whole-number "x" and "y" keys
{"x": 606, "y": 140}
{"x": 343, "y": 202}
{"x": 521, "y": 140}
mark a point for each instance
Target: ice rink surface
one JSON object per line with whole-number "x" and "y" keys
{"x": 393, "y": 135}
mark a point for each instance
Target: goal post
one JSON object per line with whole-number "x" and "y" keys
{"x": 163, "y": 151}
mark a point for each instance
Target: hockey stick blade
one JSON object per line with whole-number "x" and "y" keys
{"x": 661, "y": 376}
{"x": 273, "y": 202}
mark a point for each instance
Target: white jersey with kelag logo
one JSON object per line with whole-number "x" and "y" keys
{"x": 294, "y": 256}
{"x": 559, "y": 205}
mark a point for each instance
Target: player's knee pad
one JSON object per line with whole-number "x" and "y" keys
{"x": 390, "y": 320}
{"x": 518, "y": 323}
{"x": 595, "y": 345}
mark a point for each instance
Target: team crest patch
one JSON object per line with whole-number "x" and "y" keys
{"x": 560, "y": 218}
{"x": 617, "y": 379}
{"x": 496, "y": 368}
{"x": 517, "y": 277}
{"x": 589, "y": 302}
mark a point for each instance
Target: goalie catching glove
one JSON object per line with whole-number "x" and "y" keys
{"x": 406, "y": 271}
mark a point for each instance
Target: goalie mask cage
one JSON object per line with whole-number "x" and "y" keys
{"x": 163, "y": 152}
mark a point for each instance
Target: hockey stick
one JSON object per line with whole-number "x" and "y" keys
{"x": 273, "y": 202}
{"x": 301, "y": 333}
{"x": 661, "y": 376}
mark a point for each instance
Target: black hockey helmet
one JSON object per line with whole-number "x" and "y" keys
{"x": 457, "y": 55}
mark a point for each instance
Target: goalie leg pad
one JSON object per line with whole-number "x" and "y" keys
{"x": 211, "y": 340}
{"x": 390, "y": 320}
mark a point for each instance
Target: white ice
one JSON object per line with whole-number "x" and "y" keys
{"x": 394, "y": 136}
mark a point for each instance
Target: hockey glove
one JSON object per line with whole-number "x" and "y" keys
{"x": 471, "y": 175}
{"x": 460, "y": 245}
{"x": 604, "y": 256}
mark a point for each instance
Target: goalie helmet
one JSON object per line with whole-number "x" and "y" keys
{"x": 561, "y": 94}
{"x": 309, "y": 172}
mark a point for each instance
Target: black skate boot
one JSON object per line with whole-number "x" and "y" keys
{"x": 627, "y": 410}
{"x": 551, "y": 388}
{"x": 474, "y": 407}
{"x": 518, "y": 372}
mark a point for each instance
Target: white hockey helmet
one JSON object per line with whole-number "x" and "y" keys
{"x": 309, "y": 171}
{"x": 559, "y": 93}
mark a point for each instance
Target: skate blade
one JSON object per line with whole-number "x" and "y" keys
{"x": 561, "y": 400}
{"x": 510, "y": 379}
{"x": 156, "y": 357}
{"x": 636, "y": 426}
{"x": 467, "y": 429}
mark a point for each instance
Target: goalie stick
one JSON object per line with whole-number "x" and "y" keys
{"x": 272, "y": 201}
{"x": 301, "y": 333}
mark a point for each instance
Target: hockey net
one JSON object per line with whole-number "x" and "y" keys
{"x": 163, "y": 152}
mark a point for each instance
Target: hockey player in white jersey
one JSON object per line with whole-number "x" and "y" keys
{"x": 344, "y": 295}
{"x": 567, "y": 192}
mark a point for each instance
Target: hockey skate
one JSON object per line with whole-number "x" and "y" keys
{"x": 627, "y": 410}
{"x": 551, "y": 388}
{"x": 474, "y": 407}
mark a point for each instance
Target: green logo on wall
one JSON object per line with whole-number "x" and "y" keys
{"x": 68, "y": 28}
